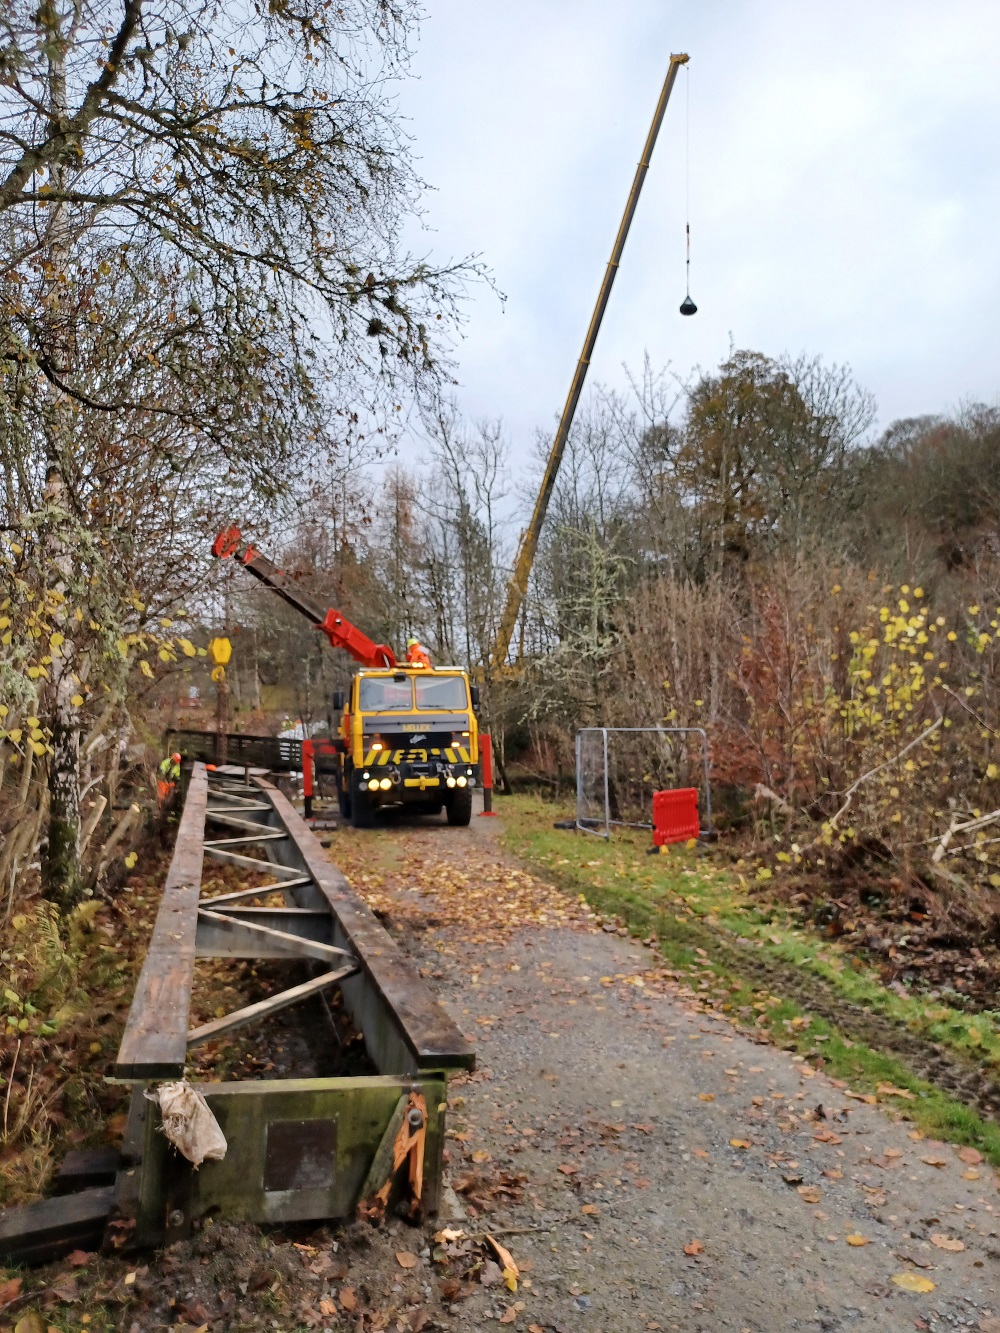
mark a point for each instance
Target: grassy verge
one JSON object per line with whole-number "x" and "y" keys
{"x": 691, "y": 906}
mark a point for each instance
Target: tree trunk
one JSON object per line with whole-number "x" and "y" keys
{"x": 61, "y": 867}
{"x": 61, "y": 880}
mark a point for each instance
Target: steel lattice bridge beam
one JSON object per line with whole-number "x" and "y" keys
{"x": 308, "y": 1148}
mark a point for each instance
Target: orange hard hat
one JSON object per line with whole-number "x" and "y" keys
{"x": 175, "y": 758}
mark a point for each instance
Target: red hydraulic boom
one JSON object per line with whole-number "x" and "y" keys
{"x": 340, "y": 631}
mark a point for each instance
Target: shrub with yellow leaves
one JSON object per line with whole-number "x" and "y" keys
{"x": 75, "y": 641}
{"x": 876, "y": 722}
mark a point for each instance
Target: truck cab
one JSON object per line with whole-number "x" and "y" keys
{"x": 408, "y": 738}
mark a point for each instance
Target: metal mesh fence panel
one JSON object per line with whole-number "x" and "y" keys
{"x": 591, "y": 813}
{"x": 618, "y": 770}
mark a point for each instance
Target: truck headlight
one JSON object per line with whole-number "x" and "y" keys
{"x": 373, "y": 785}
{"x": 461, "y": 781}
{"x": 385, "y": 783}
{"x": 450, "y": 780}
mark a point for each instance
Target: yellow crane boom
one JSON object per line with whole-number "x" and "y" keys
{"x": 529, "y": 541}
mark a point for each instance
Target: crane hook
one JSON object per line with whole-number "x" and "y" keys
{"x": 688, "y": 307}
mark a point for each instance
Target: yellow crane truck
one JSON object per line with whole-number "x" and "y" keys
{"x": 408, "y": 735}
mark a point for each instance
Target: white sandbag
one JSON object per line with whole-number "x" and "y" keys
{"x": 189, "y": 1123}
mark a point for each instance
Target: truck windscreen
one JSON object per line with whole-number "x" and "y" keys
{"x": 441, "y": 692}
{"x": 380, "y": 694}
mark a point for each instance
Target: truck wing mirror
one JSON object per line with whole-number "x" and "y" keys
{"x": 338, "y": 701}
{"x": 474, "y": 695}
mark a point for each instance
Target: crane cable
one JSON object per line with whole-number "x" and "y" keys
{"x": 687, "y": 172}
{"x": 688, "y": 307}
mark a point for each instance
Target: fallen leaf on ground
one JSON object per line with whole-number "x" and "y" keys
{"x": 405, "y": 1259}
{"x": 490, "y": 1274}
{"x": 568, "y": 1168}
{"x": 866, "y": 1097}
{"x": 348, "y": 1299}
{"x": 947, "y": 1242}
{"x": 889, "y": 1090}
{"x": 505, "y": 1259}
{"x": 935, "y": 1161}
{"x": 989, "y": 1325}
{"x": 195, "y": 1314}
{"x": 893, "y": 1152}
{"x": 912, "y": 1282}
{"x": 739, "y": 1143}
{"x": 480, "y": 1155}
{"x": 32, "y": 1322}
{"x": 509, "y": 1315}
{"x": 827, "y": 1136}
{"x": 855, "y": 1239}
{"x": 693, "y": 1247}
{"x": 700, "y": 1152}
{"x": 9, "y": 1291}
{"x": 590, "y": 1209}
{"x": 66, "y": 1288}
{"x": 810, "y": 1193}
{"x": 971, "y": 1174}
{"x": 79, "y": 1257}
{"x": 970, "y": 1156}
{"x": 448, "y": 1234}
{"x": 918, "y": 1260}
{"x": 834, "y": 1173}
{"x": 706, "y": 1096}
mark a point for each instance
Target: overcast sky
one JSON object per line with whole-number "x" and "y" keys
{"x": 845, "y": 189}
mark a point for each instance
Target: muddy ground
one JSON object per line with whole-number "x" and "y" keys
{"x": 647, "y": 1165}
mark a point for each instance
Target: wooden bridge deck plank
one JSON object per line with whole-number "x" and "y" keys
{"x": 154, "y": 1044}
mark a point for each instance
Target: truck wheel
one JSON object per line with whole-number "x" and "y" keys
{"x": 459, "y": 807}
{"x": 362, "y": 810}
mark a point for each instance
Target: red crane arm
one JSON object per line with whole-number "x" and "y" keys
{"x": 338, "y": 629}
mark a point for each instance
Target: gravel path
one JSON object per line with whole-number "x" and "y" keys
{"x": 677, "y": 1174}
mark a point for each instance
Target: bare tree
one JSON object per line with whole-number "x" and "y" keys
{"x": 203, "y": 280}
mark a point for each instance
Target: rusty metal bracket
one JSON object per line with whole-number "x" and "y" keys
{"x": 404, "y": 1141}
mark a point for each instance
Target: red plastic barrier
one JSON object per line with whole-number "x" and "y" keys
{"x": 486, "y": 754}
{"x": 675, "y": 816}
